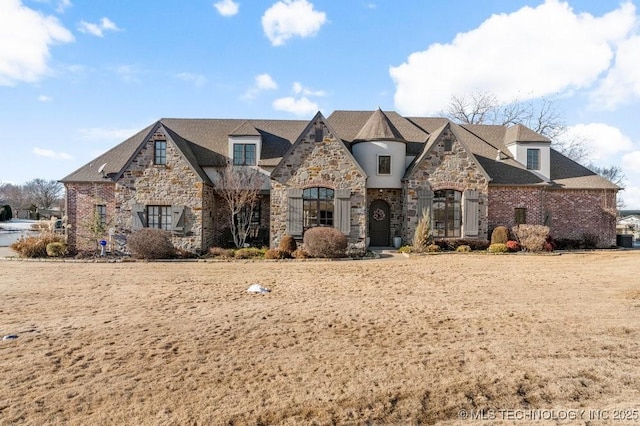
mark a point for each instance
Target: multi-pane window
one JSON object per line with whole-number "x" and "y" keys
{"x": 447, "y": 213}
{"x": 101, "y": 214}
{"x": 244, "y": 154}
{"x": 318, "y": 207}
{"x": 160, "y": 154}
{"x": 520, "y": 215}
{"x": 533, "y": 159}
{"x": 159, "y": 217}
{"x": 384, "y": 164}
{"x": 448, "y": 145}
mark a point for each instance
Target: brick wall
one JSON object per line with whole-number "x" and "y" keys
{"x": 569, "y": 213}
{"x": 82, "y": 199}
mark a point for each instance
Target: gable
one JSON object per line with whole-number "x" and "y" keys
{"x": 316, "y": 153}
{"x": 447, "y": 156}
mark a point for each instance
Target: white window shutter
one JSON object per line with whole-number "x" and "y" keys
{"x": 294, "y": 212}
{"x": 342, "y": 205}
{"x": 139, "y": 219}
{"x": 471, "y": 213}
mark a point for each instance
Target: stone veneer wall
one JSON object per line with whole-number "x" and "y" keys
{"x": 81, "y": 199}
{"x": 393, "y": 197}
{"x": 441, "y": 169}
{"x": 325, "y": 164}
{"x": 172, "y": 184}
{"x": 570, "y": 213}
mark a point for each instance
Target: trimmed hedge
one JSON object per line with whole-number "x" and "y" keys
{"x": 324, "y": 241}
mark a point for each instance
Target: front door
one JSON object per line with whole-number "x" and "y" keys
{"x": 379, "y": 224}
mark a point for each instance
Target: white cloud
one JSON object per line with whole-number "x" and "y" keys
{"x": 298, "y": 89}
{"x": 604, "y": 141}
{"x": 45, "y": 98}
{"x": 227, "y": 7}
{"x": 63, "y": 5}
{"x": 25, "y": 37}
{"x": 302, "y": 106}
{"x": 128, "y": 73}
{"x": 98, "y": 29}
{"x": 631, "y": 163}
{"x": 40, "y": 152}
{"x": 631, "y": 196}
{"x": 197, "y": 80}
{"x": 291, "y": 18}
{"x": 526, "y": 54}
{"x": 622, "y": 82}
{"x": 262, "y": 82}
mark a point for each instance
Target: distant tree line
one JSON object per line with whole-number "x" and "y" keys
{"x": 33, "y": 195}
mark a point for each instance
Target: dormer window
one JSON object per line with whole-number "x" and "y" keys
{"x": 244, "y": 154}
{"x": 384, "y": 164}
{"x": 533, "y": 159}
{"x": 160, "y": 152}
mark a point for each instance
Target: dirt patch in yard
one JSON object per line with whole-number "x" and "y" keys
{"x": 414, "y": 340}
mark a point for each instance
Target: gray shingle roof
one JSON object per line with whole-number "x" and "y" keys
{"x": 204, "y": 143}
{"x": 378, "y": 127}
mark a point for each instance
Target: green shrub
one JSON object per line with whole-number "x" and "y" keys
{"x": 463, "y": 248}
{"x": 531, "y": 237}
{"x": 276, "y": 254}
{"x": 422, "y": 234}
{"x": 300, "y": 254}
{"x": 221, "y": 252}
{"x": 405, "y": 249}
{"x": 36, "y": 245}
{"x": 5, "y": 213}
{"x": 498, "y": 248}
{"x": 287, "y": 245}
{"x": 151, "y": 243}
{"x": 56, "y": 249}
{"x": 589, "y": 241}
{"x": 250, "y": 253}
{"x": 452, "y": 245}
{"x": 500, "y": 235}
{"x": 324, "y": 241}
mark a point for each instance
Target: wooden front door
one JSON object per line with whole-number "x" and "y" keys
{"x": 379, "y": 224}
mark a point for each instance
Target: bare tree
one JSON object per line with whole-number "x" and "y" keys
{"x": 15, "y": 196}
{"x": 239, "y": 187}
{"x": 43, "y": 193}
{"x": 542, "y": 117}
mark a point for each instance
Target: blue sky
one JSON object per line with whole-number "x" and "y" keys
{"x": 79, "y": 76}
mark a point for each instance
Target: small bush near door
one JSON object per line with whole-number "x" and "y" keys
{"x": 324, "y": 241}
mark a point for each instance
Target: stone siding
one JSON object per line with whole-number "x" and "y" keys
{"x": 440, "y": 169}
{"x": 144, "y": 183}
{"x": 328, "y": 164}
{"x": 393, "y": 197}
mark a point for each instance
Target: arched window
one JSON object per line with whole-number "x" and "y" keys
{"x": 318, "y": 207}
{"x": 447, "y": 213}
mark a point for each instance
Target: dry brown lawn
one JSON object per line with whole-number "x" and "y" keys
{"x": 409, "y": 340}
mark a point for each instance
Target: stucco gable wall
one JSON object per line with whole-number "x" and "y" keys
{"x": 173, "y": 184}
{"x": 326, "y": 164}
{"x": 440, "y": 169}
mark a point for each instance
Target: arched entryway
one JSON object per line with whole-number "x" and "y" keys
{"x": 379, "y": 224}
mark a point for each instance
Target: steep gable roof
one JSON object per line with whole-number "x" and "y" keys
{"x": 244, "y": 129}
{"x": 348, "y": 124}
{"x": 115, "y": 159}
{"x": 520, "y": 133}
{"x": 378, "y": 127}
{"x": 306, "y": 130}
